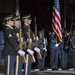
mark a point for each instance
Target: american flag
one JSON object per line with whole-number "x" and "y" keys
{"x": 56, "y": 20}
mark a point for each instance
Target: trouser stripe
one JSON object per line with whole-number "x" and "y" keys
{"x": 17, "y": 64}
{"x": 8, "y": 68}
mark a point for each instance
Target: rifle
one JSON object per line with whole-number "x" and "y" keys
{"x": 20, "y": 42}
{"x": 36, "y": 41}
{"x": 45, "y": 40}
{"x": 69, "y": 36}
{"x": 32, "y": 58}
{"x": 20, "y": 34}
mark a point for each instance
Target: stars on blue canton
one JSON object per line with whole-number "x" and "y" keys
{"x": 56, "y": 5}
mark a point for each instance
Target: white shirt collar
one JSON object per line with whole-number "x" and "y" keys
{"x": 26, "y": 24}
{"x": 9, "y": 26}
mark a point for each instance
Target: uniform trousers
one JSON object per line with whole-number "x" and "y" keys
{"x": 27, "y": 65}
{"x": 13, "y": 65}
{"x": 54, "y": 57}
{"x": 41, "y": 62}
{"x": 73, "y": 56}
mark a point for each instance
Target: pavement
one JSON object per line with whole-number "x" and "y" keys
{"x": 50, "y": 72}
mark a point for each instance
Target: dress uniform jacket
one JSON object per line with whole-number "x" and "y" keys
{"x": 11, "y": 47}
{"x": 25, "y": 30}
{"x": 25, "y": 33}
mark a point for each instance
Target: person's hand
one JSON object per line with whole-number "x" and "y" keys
{"x": 45, "y": 49}
{"x": 37, "y": 38}
{"x": 56, "y": 45}
{"x": 22, "y": 53}
{"x": 31, "y": 52}
{"x": 37, "y": 49}
{"x": 29, "y": 40}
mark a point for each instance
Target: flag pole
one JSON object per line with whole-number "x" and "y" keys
{"x": 64, "y": 13}
{"x": 17, "y": 7}
{"x": 56, "y": 20}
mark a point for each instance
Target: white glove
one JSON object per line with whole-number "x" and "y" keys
{"x": 44, "y": 41}
{"x": 37, "y": 49}
{"x": 21, "y": 39}
{"x": 37, "y": 38}
{"x": 45, "y": 49}
{"x": 30, "y": 51}
{"x": 29, "y": 40}
{"x": 56, "y": 45}
{"x": 22, "y": 53}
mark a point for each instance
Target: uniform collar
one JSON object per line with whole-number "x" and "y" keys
{"x": 9, "y": 26}
{"x": 26, "y": 24}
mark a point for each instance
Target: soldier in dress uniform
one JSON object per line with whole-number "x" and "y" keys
{"x": 42, "y": 42}
{"x": 27, "y": 21}
{"x": 72, "y": 43}
{"x": 11, "y": 52}
{"x": 54, "y": 50}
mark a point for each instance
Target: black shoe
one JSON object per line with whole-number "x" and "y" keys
{"x": 64, "y": 68}
{"x": 42, "y": 69}
{"x": 54, "y": 69}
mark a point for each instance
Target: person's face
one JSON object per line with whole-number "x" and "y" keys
{"x": 41, "y": 35}
{"x": 10, "y": 22}
{"x": 17, "y": 23}
{"x": 29, "y": 21}
{"x": 26, "y": 21}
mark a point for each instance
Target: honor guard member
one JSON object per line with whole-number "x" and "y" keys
{"x": 42, "y": 42}
{"x": 63, "y": 54}
{"x": 17, "y": 28}
{"x": 54, "y": 49}
{"x": 11, "y": 51}
{"x": 27, "y": 21}
{"x": 66, "y": 48}
{"x": 72, "y": 42}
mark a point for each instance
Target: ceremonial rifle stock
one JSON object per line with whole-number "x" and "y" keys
{"x": 36, "y": 41}
{"x": 32, "y": 58}
{"x": 20, "y": 42}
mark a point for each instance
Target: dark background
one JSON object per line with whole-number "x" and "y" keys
{"x": 42, "y": 9}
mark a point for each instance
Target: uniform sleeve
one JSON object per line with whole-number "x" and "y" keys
{"x": 11, "y": 39}
{"x": 72, "y": 42}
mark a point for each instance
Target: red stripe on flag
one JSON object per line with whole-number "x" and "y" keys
{"x": 59, "y": 19}
{"x": 56, "y": 21}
